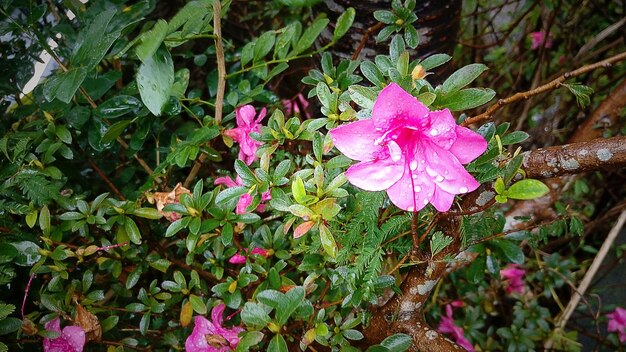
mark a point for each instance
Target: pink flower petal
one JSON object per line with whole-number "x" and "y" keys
{"x": 237, "y": 259}
{"x": 72, "y": 338}
{"x": 375, "y": 175}
{"x": 468, "y": 146}
{"x": 356, "y": 140}
{"x": 244, "y": 201}
{"x": 442, "y": 200}
{"x": 395, "y": 106}
{"x": 446, "y": 171}
{"x": 245, "y": 115}
{"x": 442, "y": 130}
{"x": 226, "y": 181}
{"x": 412, "y": 192}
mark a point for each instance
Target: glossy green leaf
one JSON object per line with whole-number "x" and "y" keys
{"x": 462, "y": 77}
{"x": 64, "y": 85}
{"x": 132, "y": 230}
{"x": 151, "y": 40}
{"x": 344, "y": 22}
{"x": 467, "y": 98}
{"x": 310, "y": 34}
{"x": 278, "y": 344}
{"x": 118, "y": 106}
{"x": 115, "y": 130}
{"x": 154, "y": 79}
{"x": 527, "y": 189}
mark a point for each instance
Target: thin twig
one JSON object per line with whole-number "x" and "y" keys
{"x": 365, "y": 37}
{"x": 544, "y": 88}
{"x": 221, "y": 85}
{"x": 591, "y": 273}
{"x": 105, "y": 179}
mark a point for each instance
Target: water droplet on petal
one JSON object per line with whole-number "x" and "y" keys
{"x": 394, "y": 151}
{"x": 463, "y": 189}
{"x": 417, "y": 189}
{"x": 413, "y": 165}
{"x": 410, "y": 208}
{"x": 434, "y": 132}
{"x": 430, "y": 195}
{"x": 414, "y": 176}
{"x": 439, "y": 178}
{"x": 425, "y": 201}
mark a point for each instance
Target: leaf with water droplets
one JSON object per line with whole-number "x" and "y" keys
{"x": 155, "y": 79}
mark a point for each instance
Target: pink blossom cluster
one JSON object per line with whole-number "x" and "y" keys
{"x": 617, "y": 323}
{"x": 514, "y": 277}
{"x": 246, "y": 123}
{"x": 211, "y": 335}
{"x": 447, "y": 326}
{"x": 240, "y": 259}
{"x": 70, "y": 339}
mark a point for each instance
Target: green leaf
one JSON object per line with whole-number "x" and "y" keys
{"x": 344, "y": 22}
{"x": 151, "y": 40}
{"x": 298, "y": 190}
{"x": 95, "y": 39}
{"x": 435, "y": 61}
{"x": 144, "y": 323}
{"x": 462, "y": 77}
{"x": 176, "y": 226}
{"x": 352, "y": 334}
{"x": 499, "y": 185}
{"x": 292, "y": 300}
{"x": 372, "y": 73}
{"x": 132, "y": 230}
{"x": 6, "y": 310}
{"x": 154, "y": 79}
{"x": 397, "y": 342}
{"x": 249, "y": 339}
{"x": 114, "y": 131}
{"x": 527, "y": 189}
{"x": 197, "y": 304}
{"x": 511, "y": 250}
{"x": 411, "y": 37}
{"x": 277, "y": 344}
{"x": 466, "y": 98}
{"x": 385, "y": 16}
{"x": 9, "y": 325}
{"x": 44, "y": 220}
{"x": 133, "y": 277}
{"x": 328, "y": 241}
{"x": 118, "y": 106}
{"x": 581, "y": 92}
{"x": 64, "y": 85}
{"x": 64, "y": 134}
{"x": 439, "y": 242}
{"x": 309, "y": 35}
{"x": 263, "y": 45}
{"x": 363, "y": 96}
{"x": 109, "y": 323}
{"x": 253, "y": 314}
{"x": 514, "y": 137}
{"x": 147, "y": 213}
{"x": 247, "y": 176}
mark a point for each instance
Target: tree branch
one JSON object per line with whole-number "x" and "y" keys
{"x": 544, "y": 88}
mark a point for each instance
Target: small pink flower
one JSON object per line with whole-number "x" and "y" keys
{"x": 211, "y": 336}
{"x": 617, "y": 323}
{"x": 246, "y": 123}
{"x": 447, "y": 326}
{"x": 515, "y": 278}
{"x": 71, "y": 338}
{"x": 245, "y": 199}
{"x": 540, "y": 39}
{"x": 240, "y": 259}
{"x": 296, "y": 105}
{"x": 416, "y": 155}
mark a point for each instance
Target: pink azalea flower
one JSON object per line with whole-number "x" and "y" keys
{"x": 515, "y": 278}
{"x": 617, "y": 323}
{"x": 447, "y": 326}
{"x": 540, "y": 39}
{"x": 245, "y": 199}
{"x": 246, "y": 123}
{"x": 210, "y": 335}
{"x": 240, "y": 259}
{"x": 416, "y": 155}
{"x": 71, "y": 338}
